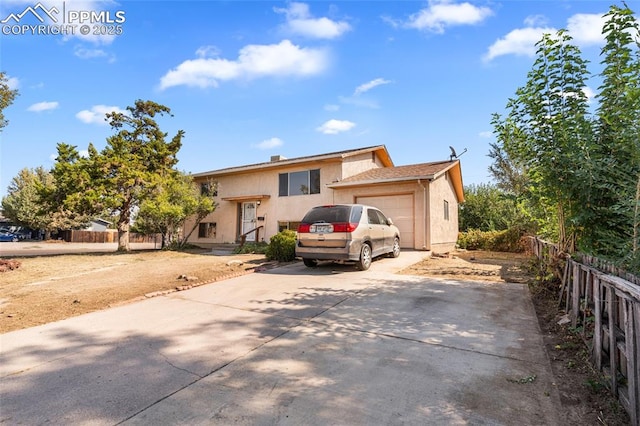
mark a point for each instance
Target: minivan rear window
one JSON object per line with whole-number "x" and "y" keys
{"x": 329, "y": 214}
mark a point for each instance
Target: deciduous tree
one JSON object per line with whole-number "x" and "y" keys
{"x": 23, "y": 202}
{"x": 172, "y": 202}
{"x": 549, "y": 130}
{"x": 613, "y": 204}
{"x": 489, "y": 208}
{"x": 7, "y": 95}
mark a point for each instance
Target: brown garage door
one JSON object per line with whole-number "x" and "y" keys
{"x": 400, "y": 209}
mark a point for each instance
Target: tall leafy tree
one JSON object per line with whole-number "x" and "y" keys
{"x": 549, "y": 131}
{"x": 510, "y": 175}
{"x": 23, "y": 202}
{"x": 489, "y": 208}
{"x": 135, "y": 161}
{"x": 7, "y": 95}
{"x": 613, "y": 204}
{"x": 63, "y": 201}
{"x": 173, "y": 201}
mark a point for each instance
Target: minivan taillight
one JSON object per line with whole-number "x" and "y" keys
{"x": 345, "y": 227}
{"x": 303, "y": 228}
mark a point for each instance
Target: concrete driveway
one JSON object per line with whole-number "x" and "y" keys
{"x": 292, "y": 346}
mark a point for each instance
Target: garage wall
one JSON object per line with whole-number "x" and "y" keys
{"x": 444, "y": 231}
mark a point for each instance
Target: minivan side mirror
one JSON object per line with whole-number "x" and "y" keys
{"x": 389, "y": 221}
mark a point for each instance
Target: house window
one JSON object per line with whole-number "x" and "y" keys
{"x": 299, "y": 183}
{"x": 207, "y": 230}
{"x": 446, "y": 210}
{"x": 282, "y": 225}
{"x": 207, "y": 189}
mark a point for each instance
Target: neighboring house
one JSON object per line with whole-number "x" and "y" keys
{"x": 98, "y": 225}
{"x": 259, "y": 200}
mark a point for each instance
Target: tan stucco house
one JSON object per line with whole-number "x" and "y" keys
{"x": 257, "y": 201}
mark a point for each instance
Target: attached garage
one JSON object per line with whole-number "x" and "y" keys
{"x": 422, "y": 199}
{"x": 400, "y": 208}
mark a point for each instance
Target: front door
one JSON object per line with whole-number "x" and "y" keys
{"x": 249, "y": 220}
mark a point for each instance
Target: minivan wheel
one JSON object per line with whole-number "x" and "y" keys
{"x": 395, "y": 252}
{"x": 365, "y": 258}
{"x": 310, "y": 262}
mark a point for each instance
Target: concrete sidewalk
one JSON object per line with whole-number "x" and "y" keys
{"x": 47, "y": 248}
{"x": 293, "y": 345}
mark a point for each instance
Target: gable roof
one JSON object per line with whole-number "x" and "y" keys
{"x": 380, "y": 150}
{"x": 411, "y": 172}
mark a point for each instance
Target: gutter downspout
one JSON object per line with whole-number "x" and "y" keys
{"x": 424, "y": 215}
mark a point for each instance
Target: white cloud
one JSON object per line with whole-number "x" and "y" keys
{"x": 589, "y": 93}
{"x": 97, "y": 114}
{"x": 331, "y": 107}
{"x": 586, "y": 29}
{"x": 520, "y": 42}
{"x": 300, "y": 22}
{"x": 43, "y": 106}
{"x": 254, "y": 61}
{"x": 207, "y": 52}
{"x": 441, "y": 14}
{"x": 486, "y": 134}
{"x": 370, "y": 85}
{"x": 333, "y": 127}
{"x": 97, "y": 39}
{"x": 82, "y": 153}
{"x": 87, "y": 53}
{"x": 270, "y": 143}
{"x": 12, "y": 82}
{"x": 536, "y": 21}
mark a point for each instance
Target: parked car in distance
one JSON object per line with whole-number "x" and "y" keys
{"x": 346, "y": 232}
{"x": 8, "y": 237}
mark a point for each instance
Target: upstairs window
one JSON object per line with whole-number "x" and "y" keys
{"x": 299, "y": 183}
{"x": 446, "y": 210}
{"x": 208, "y": 189}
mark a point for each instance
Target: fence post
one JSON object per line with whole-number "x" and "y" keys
{"x": 597, "y": 331}
{"x": 632, "y": 350}
{"x": 575, "y": 295}
{"x": 612, "y": 318}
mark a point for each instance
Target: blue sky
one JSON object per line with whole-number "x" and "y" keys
{"x": 247, "y": 80}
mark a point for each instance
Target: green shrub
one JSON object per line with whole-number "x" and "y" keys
{"x": 282, "y": 246}
{"x": 506, "y": 241}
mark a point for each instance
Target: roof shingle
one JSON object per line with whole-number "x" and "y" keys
{"x": 408, "y": 172}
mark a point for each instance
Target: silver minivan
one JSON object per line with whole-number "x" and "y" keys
{"x": 346, "y": 232}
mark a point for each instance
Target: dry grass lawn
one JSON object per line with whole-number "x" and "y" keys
{"x": 50, "y": 288}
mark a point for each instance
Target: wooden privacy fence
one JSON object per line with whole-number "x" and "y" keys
{"x": 76, "y": 236}
{"x": 606, "y": 309}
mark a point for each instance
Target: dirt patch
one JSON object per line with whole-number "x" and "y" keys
{"x": 51, "y": 288}
{"x": 474, "y": 265}
{"x": 582, "y": 390}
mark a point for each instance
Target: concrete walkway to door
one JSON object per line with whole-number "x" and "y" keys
{"x": 291, "y": 346}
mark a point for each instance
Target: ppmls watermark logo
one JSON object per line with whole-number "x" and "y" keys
{"x": 39, "y": 20}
